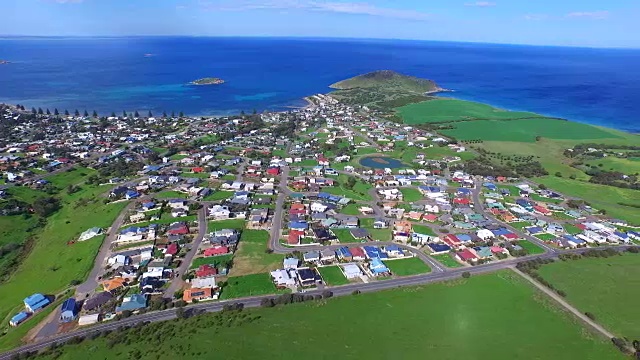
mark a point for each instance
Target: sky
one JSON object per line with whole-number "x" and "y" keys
{"x": 611, "y": 23}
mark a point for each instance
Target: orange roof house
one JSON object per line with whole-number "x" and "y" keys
{"x": 197, "y": 294}
{"x": 113, "y": 284}
{"x": 403, "y": 226}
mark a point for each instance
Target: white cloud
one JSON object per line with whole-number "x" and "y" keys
{"x": 536, "y": 17}
{"x": 598, "y": 15}
{"x": 359, "y": 8}
{"x": 481, "y": 4}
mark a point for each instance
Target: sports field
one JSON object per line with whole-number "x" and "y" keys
{"x": 446, "y": 110}
{"x": 606, "y": 287}
{"x": 497, "y": 316}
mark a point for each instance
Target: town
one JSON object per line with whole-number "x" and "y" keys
{"x": 213, "y": 209}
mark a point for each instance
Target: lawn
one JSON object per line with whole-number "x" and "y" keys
{"x": 545, "y": 236}
{"x": 248, "y": 285}
{"x": 520, "y": 224}
{"x": 572, "y": 229}
{"x": 252, "y": 257}
{"x": 376, "y": 234}
{"x": 447, "y": 260}
{"x": 561, "y": 216}
{"x": 332, "y": 275}
{"x": 606, "y": 287}
{"x": 406, "y": 267}
{"x": 531, "y": 248}
{"x": 344, "y": 236}
{"x": 50, "y": 255}
{"x": 497, "y": 316}
{"x": 422, "y": 229}
{"x": 351, "y": 209}
{"x": 524, "y": 130}
{"x": 447, "y": 110}
{"x": 237, "y": 224}
{"x": 170, "y": 195}
{"x": 410, "y": 195}
{"x": 219, "y": 195}
{"x": 610, "y": 163}
{"x": 359, "y": 192}
{"x": 599, "y": 196}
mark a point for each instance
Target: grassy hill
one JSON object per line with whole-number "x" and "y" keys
{"x": 390, "y": 80}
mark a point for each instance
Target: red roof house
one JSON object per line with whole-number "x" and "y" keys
{"x": 451, "y": 240}
{"x": 181, "y": 229}
{"x": 466, "y": 255}
{"x": 461, "y": 201}
{"x": 206, "y": 270}
{"x": 542, "y": 210}
{"x": 172, "y": 249}
{"x": 216, "y": 250}
{"x": 357, "y": 253}
{"x": 298, "y": 209}
{"x": 430, "y": 217}
{"x": 294, "y": 237}
{"x": 197, "y": 170}
{"x": 275, "y": 171}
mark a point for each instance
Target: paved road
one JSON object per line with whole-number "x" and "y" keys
{"x": 566, "y": 305}
{"x": 177, "y": 283}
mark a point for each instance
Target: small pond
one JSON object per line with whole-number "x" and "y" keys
{"x": 381, "y": 162}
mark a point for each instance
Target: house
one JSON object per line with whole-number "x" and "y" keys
{"x": 283, "y": 278}
{"x": 178, "y": 228}
{"x": 344, "y": 254}
{"x": 215, "y": 251}
{"x": 290, "y": 263}
{"x": 439, "y": 248}
{"x": 198, "y": 294}
{"x": 394, "y": 251}
{"x": 36, "y": 302}
{"x": 359, "y": 233}
{"x": 308, "y": 277}
{"x": 466, "y": 255}
{"x": 113, "y": 284}
{"x": 219, "y": 212}
{"x": 97, "y": 301}
{"x": 378, "y": 268}
{"x": 380, "y": 224}
{"x": 311, "y": 256}
{"x": 357, "y": 254}
{"x": 327, "y": 255}
{"x": 351, "y": 271}
{"x": 206, "y": 270}
{"x": 69, "y": 310}
{"x": 132, "y": 303}
{"x": 18, "y": 319}
{"x": 485, "y": 234}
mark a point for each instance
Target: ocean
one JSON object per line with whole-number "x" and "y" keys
{"x": 595, "y": 86}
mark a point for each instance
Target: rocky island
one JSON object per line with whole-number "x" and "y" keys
{"x": 2, "y": 62}
{"x": 389, "y": 79}
{"x": 207, "y": 81}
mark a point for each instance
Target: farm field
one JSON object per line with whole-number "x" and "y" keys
{"x": 447, "y": 110}
{"x": 251, "y": 256}
{"x": 524, "y": 130}
{"x": 600, "y": 196}
{"x": 605, "y": 287}
{"x": 406, "y": 267}
{"x": 447, "y": 260}
{"x": 465, "y": 326}
{"x": 332, "y": 275}
{"x": 51, "y": 255}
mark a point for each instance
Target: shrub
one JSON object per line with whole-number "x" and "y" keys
{"x": 466, "y": 274}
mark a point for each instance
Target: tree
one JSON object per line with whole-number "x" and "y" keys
{"x": 150, "y": 114}
{"x": 173, "y": 114}
{"x": 558, "y": 174}
{"x": 48, "y": 112}
{"x": 77, "y": 113}
{"x": 466, "y": 274}
{"x": 86, "y": 113}
{"x": 66, "y": 112}
{"x": 46, "y": 206}
{"x": 181, "y": 313}
{"x": 124, "y": 114}
{"x": 164, "y": 114}
{"x": 113, "y": 114}
{"x": 181, "y": 114}
{"x": 136, "y": 114}
{"x": 95, "y": 114}
{"x": 34, "y": 111}
{"x": 40, "y": 112}
{"x": 55, "y": 112}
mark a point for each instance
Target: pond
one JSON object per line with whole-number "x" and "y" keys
{"x": 381, "y": 162}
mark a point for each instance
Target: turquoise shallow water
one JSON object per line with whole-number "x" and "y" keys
{"x": 597, "y": 86}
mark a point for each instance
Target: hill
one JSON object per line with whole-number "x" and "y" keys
{"x": 388, "y": 79}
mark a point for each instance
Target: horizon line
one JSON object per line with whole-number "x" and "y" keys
{"x": 16, "y": 37}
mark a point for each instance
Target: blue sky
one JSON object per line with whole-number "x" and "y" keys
{"x": 612, "y": 23}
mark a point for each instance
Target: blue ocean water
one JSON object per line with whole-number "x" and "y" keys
{"x": 597, "y": 86}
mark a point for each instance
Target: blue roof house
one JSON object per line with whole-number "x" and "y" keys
{"x": 132, "y": 303}
{"x": 18, "y": 319}
{"x": 69, "y": 310}
{"x": 377, "y": 267}
{"x": 298, "y": 225}
{"x": 36, "y": 302}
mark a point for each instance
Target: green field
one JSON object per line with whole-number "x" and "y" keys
{"x": 524, "y": 130}
{"x": 248, "y": 285}
{"x": 406, "y": 267}
{"x": 572, "y": 229}
{"x": 448, "y": 110}
{"x": 332, "y": 275}
{"x": 351, "y": 209}
{"x": 51, "y": 258}
{"x": 252, "y": 257}
{"x": 610, "y": 163}
{"x": 422, "y": 229}
{"x": 497, "y": 316}
{"x": 237, "y": 224}
{"x": 170, "y": 195}
{"x": 447, "y": 260}
{"x": 211, "y": 260}
{"x": 359, "y": 192}
{"x": 410, "y": 195}
{"x": 545, "y": 236}
{"x": 531, "y": 248}
{"x": 376, "y": 234}
{"x": 605, "y": 287}
{"x": 600, "y": 196}
{"x": 344, "y": 236}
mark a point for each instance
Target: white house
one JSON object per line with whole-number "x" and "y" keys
{"x": 484, "y": 234}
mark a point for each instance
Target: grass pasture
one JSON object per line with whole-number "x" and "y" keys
{"x": 248, "y": 285}
{"x": 484, "y": 317}
{"x": 605, "y": 287}
{"x": 448, "y": 110}
{"x": 251, "y": 256}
